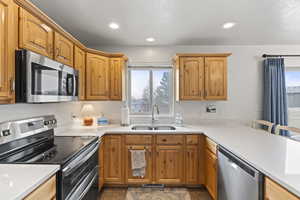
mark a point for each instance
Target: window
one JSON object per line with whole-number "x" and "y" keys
{"x": 292, "y": 76}
{"x": 149, "y": 86}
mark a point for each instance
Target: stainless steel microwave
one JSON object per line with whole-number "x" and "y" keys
{"x": 40, "y": 79}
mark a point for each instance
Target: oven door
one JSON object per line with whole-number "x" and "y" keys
{"x": 48, "y": 80}
{"x": 80, "y": 176}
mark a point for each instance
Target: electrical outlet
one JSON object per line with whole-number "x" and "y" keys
{"x": 211, "y": 108}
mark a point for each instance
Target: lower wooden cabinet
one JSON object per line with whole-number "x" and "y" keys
{"x": 274, "y": 191}
{"x": 113, "y": 160}
{"x": 101, "y": 164}
{"x": 171, "y": 159}
{"x": 211, "y": 169}
{"x": 169, "y": 164}
{"x": 47, "y": 191}
{"x": 130, "y": 179}
{"x": 192, "y": 164}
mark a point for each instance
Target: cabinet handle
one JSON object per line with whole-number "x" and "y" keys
{"x": 57, "y": 52}
{"x": 164, "y": 140}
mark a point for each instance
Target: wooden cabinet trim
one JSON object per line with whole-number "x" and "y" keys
{"x": 46, "y": 191}
{"x": 274, "y": 191}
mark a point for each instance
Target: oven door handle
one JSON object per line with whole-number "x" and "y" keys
{"x": 75, "y": 195}
{"x": 80, "y": 160}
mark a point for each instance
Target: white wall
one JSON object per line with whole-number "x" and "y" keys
{"x": 244, "y": 76}
{"x": 244, "y": 85}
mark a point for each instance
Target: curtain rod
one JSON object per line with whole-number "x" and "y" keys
{"x": 268, "y": 55}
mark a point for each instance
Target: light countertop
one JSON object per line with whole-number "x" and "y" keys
{"x": 275, "y": 156}
{"x": 18, "y": 180}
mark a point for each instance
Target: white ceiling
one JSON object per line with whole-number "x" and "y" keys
{"x": 178, "y": 22}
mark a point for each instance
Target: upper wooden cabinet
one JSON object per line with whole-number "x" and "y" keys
{"x": 191, "y": 78}
{"x": 79, "y": 64}
{"x": 8, "y": 45}
{"x": 97, "y": 77}
{"x": 35, "y": 35}
{"x": 63, "y": 50}
{"x": 116, "y": 69}
{"x": 201, "y": 76}
{"x": 216, "y": 78}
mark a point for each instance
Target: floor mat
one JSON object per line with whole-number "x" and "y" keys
{"x": 157, "y": 194}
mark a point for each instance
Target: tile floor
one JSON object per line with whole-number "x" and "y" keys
{"x": 120, "y": 194}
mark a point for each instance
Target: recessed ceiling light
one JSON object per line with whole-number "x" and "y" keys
{"x": 114, "y": 25}
{"x": 150, "y": 39}
{"x": 229, "y": 25}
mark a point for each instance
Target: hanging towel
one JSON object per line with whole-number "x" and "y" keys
{"x": 138, "y": 163}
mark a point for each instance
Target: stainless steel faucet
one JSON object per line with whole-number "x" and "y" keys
{"x": 157, "y": 111}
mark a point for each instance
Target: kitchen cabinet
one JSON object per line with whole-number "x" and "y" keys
{"x": 169, "y": 164}
{"x": 116, "y": 70}
{"x": 192, "y": 160}
{"x": 216, "y": 78}
{"x": 97, "y": 77}
{"x": 63, "y": 50}
{"x": 147, "y": 179}
{"x": 171, "y": 159}
{"x": 274, "y": 191}
{"x": 46, "y": 191}
{"x": 8, "y": 45}
{"x": 191, "y": 78}
{"x": 113, "y": 160}
{"x": 35, "y": 35}
{"x": 201, "y": 76}
{"x": 79, "y": 64}
{"x": 211, "y": 168}
{"x": 101, "y": 164}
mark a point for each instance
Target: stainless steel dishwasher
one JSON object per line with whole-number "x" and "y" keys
{"x": 236, "y": 179}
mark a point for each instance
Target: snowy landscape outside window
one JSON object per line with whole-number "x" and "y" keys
{"x": 149, "y": 86}
{"x": 292, "y": 76}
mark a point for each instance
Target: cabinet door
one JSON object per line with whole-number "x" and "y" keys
{"x": 273, "y": 191}
{"x": 216, "y": 78}
{"x": 113, "y": 171}
{"x": 192, "y": 164}
{"x": 211, "y": 173}
{"x": 101, "y": 164}
{"x": 148, "y": 155}
{"x": 63, "y": 50}
{"x": 169, "y": 164}
{"x": 79, "y": 64}
{"x": 46, "y": 191}
{"x": 35, "y": 35}
{"x": 8, "y": 45}
{"x": 191, "y": 75}
{"x": 97, "y": 77}
{"x": 116, "y": 69}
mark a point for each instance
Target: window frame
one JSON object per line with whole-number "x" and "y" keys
{"x": 171, "y": 95}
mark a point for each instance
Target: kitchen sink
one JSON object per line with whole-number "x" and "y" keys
{"x": 169, "y": 128}
{"x": 142, "y": 128}
{"x": 149, "y": 128}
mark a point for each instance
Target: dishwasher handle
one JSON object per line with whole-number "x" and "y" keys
{"x": 236, "y": 163}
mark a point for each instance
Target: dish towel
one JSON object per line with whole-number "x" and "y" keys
{"x": 138, "y": 163}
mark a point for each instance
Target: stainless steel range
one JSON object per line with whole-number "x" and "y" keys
{"x": 32, "y": 141}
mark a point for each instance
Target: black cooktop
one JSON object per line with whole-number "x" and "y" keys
{"x": 65, "y": 148}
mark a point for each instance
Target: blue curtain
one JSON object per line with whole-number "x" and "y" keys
{"x": 275, "y": 99}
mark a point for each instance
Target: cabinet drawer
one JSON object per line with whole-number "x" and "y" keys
{"x": 138, "y": 139}
{"x": 210, "y": 145}
{"x": 192, "y": 139}
{"x": 170, "y": 139}
{"x": 46, "y": 191}
{"x": 273, "y": 191}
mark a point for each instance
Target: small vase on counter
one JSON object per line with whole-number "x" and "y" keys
{"x": 125, "y": 121}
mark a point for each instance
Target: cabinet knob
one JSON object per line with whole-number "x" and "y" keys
{"x": 164, "y": 140}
